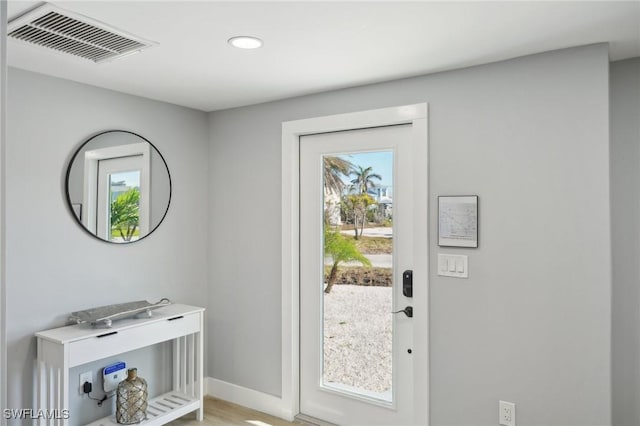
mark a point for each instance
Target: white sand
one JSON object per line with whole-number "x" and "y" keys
{"x": 357, "y": 336}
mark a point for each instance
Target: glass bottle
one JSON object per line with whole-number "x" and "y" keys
{"x": 131, "y": 399}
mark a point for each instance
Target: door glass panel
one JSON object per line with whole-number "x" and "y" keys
{"x": 357, "y": 297}
{"x": 124, "y": 206}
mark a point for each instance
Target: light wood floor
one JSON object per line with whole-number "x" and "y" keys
{"x": 222, "y": 413}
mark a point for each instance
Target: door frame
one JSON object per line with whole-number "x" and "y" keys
{"x": 416, "y": 115}
{"x": 90, "y": 195}
{"x": 3, "y": 263}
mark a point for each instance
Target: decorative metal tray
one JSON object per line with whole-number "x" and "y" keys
{"x": 105, "y": 315}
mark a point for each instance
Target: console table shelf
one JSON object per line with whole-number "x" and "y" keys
{"x": 160, "y": 410}
{"x": 62, "y": 348}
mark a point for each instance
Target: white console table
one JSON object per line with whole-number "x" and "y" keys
{"x": 60, "y": 349}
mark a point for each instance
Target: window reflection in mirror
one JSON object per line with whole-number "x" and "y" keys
{"x": 124, "y": 207}
{"x": 121, "y": 184}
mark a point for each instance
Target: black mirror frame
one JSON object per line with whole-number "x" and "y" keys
{"x": 68, "y": 197}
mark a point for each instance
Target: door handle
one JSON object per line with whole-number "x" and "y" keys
{"x": 408, "y": 311}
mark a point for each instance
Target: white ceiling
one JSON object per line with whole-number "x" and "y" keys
{"x": 317, "y": 46}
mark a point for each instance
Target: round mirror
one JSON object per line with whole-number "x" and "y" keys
{"x": 118, "y": 186}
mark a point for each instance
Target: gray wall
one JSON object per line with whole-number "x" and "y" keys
{"x": 53, "y": 266}
{"x": 532, "y": 324}
{"x": 625, "y": 230}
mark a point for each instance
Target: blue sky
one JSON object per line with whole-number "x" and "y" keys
{"x": 381, "y": 162}
{"x": 132, "y": 179}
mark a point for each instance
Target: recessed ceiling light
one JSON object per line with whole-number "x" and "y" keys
{"x": 245, "y": 42}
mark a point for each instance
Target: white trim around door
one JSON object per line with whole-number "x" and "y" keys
{"x": 416, "y": 115}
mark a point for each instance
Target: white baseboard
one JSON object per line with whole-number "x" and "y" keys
{"x": 246, "y": 397}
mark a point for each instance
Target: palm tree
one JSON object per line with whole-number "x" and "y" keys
{"x": 125, "y": 215}
{"x": 340, "y": 249}
{"x": 334, "y": 169}
{"x": 363, "y": 180}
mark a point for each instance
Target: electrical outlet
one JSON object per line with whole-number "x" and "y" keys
{"x": 85, "y": 377}
{"x": 507, "y": 413}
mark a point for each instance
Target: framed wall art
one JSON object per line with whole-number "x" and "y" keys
{"x": 458, "y": 221}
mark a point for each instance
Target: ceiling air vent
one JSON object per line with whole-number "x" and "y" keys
{"x": 71, "y": 33}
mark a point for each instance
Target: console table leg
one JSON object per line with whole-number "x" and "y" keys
{"x": 199, "y": 338}
{"x": 65, "y": 393}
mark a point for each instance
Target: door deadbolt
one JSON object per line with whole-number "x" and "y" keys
{"x": 407, "y": 283}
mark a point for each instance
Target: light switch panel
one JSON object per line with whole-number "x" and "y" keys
{"x": 453, "y": 265}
